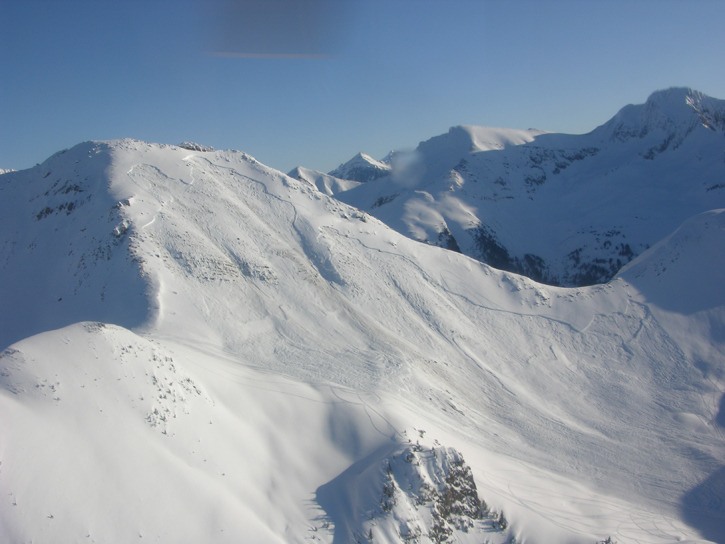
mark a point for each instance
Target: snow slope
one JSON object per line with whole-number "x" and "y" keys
{"x": 238, "y": 356}
{"x": 562, "y": 209}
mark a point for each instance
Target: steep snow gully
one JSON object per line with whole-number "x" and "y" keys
{"x": 200, "y": 348}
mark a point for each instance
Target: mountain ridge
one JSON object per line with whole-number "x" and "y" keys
{"x": 234, "y": 348}
{"x": 585, "y": 197}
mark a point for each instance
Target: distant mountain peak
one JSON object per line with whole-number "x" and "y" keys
{"x": 675, "y": 104}
{"x": 677, "y": 95}
{"x": 606, "y": 195}
{"x": 362, "y": 167}
{"x": 677, "y": 110}
{"x": 463, "y": 139}
{"x": 360, "y": 156}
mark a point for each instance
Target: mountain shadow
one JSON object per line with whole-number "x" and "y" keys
{"x": 704, "y": 506}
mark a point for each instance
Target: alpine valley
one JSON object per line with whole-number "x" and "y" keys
{"x": 200, "y": 348}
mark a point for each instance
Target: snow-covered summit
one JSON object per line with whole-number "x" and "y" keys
{"x": 440, "y": 154}
{"x": 361, "y": 167}
{"x": 463, "y": 139}
{"x": 676, "y": 111}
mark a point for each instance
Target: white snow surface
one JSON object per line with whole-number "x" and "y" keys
{"x": 199, "y": 348}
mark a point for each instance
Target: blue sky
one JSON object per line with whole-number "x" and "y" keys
{"x": 312, "y": 82}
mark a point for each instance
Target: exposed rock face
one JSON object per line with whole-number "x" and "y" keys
{"x": 426, "y": 495}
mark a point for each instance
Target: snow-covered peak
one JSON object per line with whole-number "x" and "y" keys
{"x": 368, "y": 159}
{"x": 560, "y": 208}
{"x": 361, "y": 167}
{"x": 461, "y": 140}
{"x": 443, "y": 152}
{"x": 675, "y": 111}
{"x": 472, "y": 138}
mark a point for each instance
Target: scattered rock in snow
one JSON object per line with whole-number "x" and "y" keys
{"x": 193, "y": 146}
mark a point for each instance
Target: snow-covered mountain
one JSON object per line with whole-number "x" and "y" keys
{"x": 361, "y": 168}
{"x": 200, "y": 348}
{"x": 562, "y": 209}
